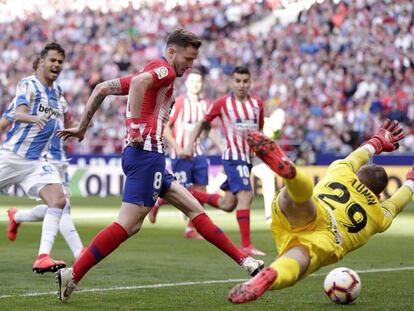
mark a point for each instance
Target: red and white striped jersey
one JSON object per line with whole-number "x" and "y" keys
{"x": 156, "y": 105}
{"x": 183, "y": 118}
{"x": 237, "y": 119}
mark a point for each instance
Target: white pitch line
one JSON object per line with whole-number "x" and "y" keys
{"x": 88, "y": 290}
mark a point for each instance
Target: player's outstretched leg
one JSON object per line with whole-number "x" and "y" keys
{"x": 270, "y": 153}
{"x": 253, "y": 288}
{"x": 299, "y": 186}
{"x": 285, "y": 271}
{"x": 13, "y": 225}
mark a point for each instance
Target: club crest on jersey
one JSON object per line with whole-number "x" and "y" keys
{"x": 161, "y": 72}
{"x": 21, "y": 89}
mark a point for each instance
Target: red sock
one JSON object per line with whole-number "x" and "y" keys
{"x": 217, "y": 237}
{"x": 204, "y": 197}
{"x": 243, "y": 218}
{"x": 104, "y": 243}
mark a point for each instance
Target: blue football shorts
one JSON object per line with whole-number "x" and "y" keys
{"x": 193, "y": 171}
{"x": 146, "y": 177}
{"x": 238, "y": 176}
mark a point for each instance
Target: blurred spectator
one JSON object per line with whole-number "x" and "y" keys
{"x": 335, "y": 72}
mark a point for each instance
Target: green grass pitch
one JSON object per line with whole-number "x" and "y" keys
{"x": 160, "y": 270}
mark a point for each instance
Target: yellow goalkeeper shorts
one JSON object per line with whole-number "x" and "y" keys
{"x": 319, "y": 236}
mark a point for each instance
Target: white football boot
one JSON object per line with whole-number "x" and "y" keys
{"x": 252, "y": 266}
{"x": 65, "y": 283}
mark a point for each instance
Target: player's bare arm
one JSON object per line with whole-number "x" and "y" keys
{"x": 99, "y": 93}
{"x": 139, "y": 84}
{"x": 216, "y": 141}
{"x": 5, "y": 124}
{"x": 172, "y": 142}
{"x": 23, "y": 115}
{"x": 199, "y": 128}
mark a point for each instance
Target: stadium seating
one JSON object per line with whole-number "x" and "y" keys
{"x": 335, "y": 72}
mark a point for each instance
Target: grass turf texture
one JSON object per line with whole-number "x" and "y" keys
{"x": 160, "y": 255}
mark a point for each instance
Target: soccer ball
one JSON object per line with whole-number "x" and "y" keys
{"x": 342, "y": 285}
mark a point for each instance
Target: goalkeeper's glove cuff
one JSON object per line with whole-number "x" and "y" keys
{"x": 370, "y": 148}
{"x": 376, "y": 143}
{"x": 410, "y": 184}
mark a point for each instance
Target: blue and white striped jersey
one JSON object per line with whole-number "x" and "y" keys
{"x": 10, "y": 112}
{"x": 26, "y": 139}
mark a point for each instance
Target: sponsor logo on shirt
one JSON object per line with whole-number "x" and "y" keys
{"x": 161, "y": 72}
{"x": 246, "y": 124}
{"x": 53, "y": 112}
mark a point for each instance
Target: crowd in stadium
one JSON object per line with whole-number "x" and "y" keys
{"x": 331, "y": 76}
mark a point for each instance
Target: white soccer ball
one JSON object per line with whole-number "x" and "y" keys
{"x": 342, "y": 285}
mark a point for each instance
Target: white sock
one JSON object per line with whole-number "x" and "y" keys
{"x": 50, "y": 228}
{"x": 69, "y": 232}
{"x": 36, "y": 213}
{"x": 267, "y": 176}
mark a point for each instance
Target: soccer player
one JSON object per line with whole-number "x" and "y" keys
{"x": 39, "y": 110}
{"x": 316, "y": 226}
{"x": 239, "y": 113}
{"x": 188, "y": 110}
{"x": 57, "y": 157}
{"x": 150, "y": 96}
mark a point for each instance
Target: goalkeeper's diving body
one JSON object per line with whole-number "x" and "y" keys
{"x": 315, "y": 226}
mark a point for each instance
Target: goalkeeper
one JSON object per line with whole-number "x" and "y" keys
{"x": 317, "y": 226}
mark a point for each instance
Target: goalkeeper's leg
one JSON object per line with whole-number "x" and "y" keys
{"x": 285, "y": 271}
{"x": 296, "y": 198}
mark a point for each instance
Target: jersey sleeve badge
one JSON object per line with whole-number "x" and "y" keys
{"x": 161, "y": 72}
{"x": 21, "y": 89}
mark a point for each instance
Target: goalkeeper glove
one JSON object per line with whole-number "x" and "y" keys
{"x": 387, "y": 137}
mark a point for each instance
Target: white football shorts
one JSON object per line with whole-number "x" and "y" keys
{"x": 31, "y": 175}
{"x": 62, "y": 168}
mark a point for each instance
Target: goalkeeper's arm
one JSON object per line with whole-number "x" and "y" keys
{"x": 396, "y": 203}
{"x": 385, "y": 140}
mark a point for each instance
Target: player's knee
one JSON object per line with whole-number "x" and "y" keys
{"x": 60, "y": 202}
{"x": 228, "y": 206}
{"x": 57, "y": 200}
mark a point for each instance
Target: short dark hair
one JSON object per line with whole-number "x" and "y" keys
{"x": 183, "y": 38}
{"x": 52, "y": 46}
{"x": 241, "y": 70}
{"x": 374, "y": 177}
{"x": 197, "y": 71}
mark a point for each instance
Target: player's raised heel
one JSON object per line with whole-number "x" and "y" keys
{"x": 192, "y": 234}
{"x": 44, "y": 263}
{"x": 252, "y": 251}
{"x": 13, "y": 225}
{"x": 65, "y": 284}
{"x": 253, "y": 288}
{"x": 267, "y": 150}
{"x": 252, "y": 265}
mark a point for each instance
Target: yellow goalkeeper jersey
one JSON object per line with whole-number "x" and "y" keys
{"x": 358, "y": 212}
